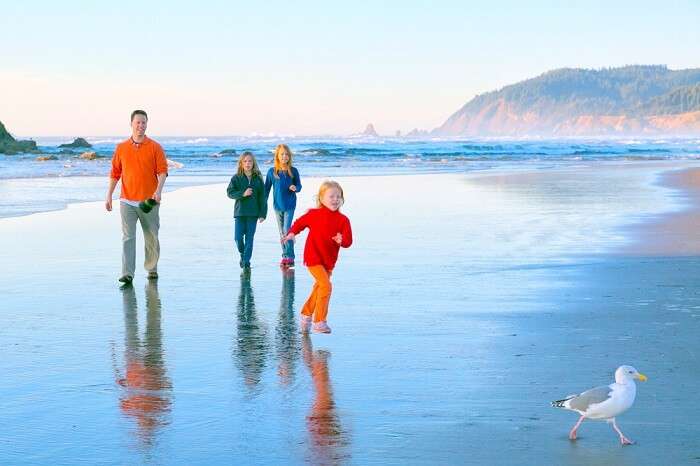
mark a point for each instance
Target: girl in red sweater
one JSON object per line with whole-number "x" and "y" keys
{"x": 328, "y": 231}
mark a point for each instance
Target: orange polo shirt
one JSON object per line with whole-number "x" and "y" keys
{"x": 138, "y": 167}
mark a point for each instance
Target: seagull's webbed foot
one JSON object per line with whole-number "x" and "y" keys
{"x": 625, "y": 441}
{"x": 572, "y": 434}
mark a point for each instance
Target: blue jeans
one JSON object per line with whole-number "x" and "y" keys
{"x": 244, "y": 234}
{"x": 284, "y": 222}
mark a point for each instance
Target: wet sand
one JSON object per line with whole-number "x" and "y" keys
{"x": 673, "y": 234}
{"x": 448, "y": 344}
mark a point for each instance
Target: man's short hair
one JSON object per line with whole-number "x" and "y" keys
{"x": 138, "y": 112}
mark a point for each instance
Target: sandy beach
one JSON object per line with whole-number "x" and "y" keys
{"x": 669, "y": 235}
{"x": 466, "y": 304}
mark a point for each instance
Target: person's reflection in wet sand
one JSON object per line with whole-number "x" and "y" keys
{"x": 328, "y": 439}
{"x": 287, "y": 333}
{"x": 252, "y": 340}
{"x": 147, "y": 390}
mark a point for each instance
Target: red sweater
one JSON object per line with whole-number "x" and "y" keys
{"x": 323, "y": 225}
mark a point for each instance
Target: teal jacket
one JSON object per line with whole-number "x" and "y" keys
{"x": 254, "y": 205}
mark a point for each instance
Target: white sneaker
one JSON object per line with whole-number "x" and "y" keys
{"x": 321, "y": 327}
{"x": 305, "y": 323}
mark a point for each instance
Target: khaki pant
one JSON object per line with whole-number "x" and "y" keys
{"x": 150, "y": 223}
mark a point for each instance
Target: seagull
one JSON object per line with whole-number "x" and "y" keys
{"x": 605, "y": 402}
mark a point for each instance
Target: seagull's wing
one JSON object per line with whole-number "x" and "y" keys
{"x": 590, "y": 397}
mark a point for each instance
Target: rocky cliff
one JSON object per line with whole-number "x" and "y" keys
{"x": 577, "y": 102}
{"x": 9, "y": 145}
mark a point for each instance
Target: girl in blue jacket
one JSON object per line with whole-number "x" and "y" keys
{"x": 283, "y": 179}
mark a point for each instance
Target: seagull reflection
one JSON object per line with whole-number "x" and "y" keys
{"x": 328, "y": 439}
{"x": 252, "y": 341}
{"x": 287, "y": 334}
{"x": 147, "y": 390}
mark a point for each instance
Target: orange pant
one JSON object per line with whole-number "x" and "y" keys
{"x": 317, "y": 304}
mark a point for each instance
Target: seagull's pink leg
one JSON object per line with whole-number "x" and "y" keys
{"x": 624, "y": 440}
{"x": 572, "y": 434}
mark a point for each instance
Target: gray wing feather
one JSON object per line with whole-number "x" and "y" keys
{"x": 590, "y": 397}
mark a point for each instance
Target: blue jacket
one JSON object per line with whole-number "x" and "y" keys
{"x": 284, "y": 199}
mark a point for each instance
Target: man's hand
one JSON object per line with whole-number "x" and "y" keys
{"x": 110, "y": 192}
{"x": 338, "y": 238}
{"x": 292, "y": 188}
{"x": 261, "y": 219}
{"x": 248, "y": 192}
{"x": 290, "y": 237}
{"x": 156, "y": 196}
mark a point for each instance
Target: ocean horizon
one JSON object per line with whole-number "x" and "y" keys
{"x": 353, "y": 155}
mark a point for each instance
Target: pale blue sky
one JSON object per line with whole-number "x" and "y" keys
{"x": 227, "y": 67}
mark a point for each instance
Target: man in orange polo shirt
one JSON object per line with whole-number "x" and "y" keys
{"x": 141, "y": 165}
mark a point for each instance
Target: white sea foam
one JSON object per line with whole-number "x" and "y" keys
{"x": 174, "y": 165}
{"x": 105, "y": 141}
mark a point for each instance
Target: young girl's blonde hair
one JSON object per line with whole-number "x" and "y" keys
{"x": 278, "y": 164}
{"x": 325, "y": 186}
{"x": 256, "y": 170}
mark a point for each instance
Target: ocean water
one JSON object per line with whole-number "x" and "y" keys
{"x": 28, "y": 186}
{"x": 350, "y": 156}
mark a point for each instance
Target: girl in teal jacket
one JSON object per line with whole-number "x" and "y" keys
{"x": 248, "y": 189}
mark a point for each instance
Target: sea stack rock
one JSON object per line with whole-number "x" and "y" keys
{"x": 10, "y": 146}
{"x": 417, "y": 133}
{"x": 78, "y": 143}
{"x": 370, "y": 131}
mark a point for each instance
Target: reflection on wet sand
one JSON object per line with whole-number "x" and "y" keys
{"x": 252, "y": 340}
{"x": 147, "y": 389}
{"x": 287, "y": 334}
{"x": 328, "y": 439}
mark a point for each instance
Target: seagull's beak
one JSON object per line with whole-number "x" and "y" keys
{"x": 642, "y": 377}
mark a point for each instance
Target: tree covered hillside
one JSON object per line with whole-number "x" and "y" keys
{"x": 540, "y": 103}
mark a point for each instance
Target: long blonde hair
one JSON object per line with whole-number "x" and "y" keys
{"x": 256, "y": 170}
{"x": 325, "y": 186}
{"x": 278, "y": 163}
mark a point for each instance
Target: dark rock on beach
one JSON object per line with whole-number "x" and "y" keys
{"x": 90, "y": 155}
{"x": 77, "y": 143}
